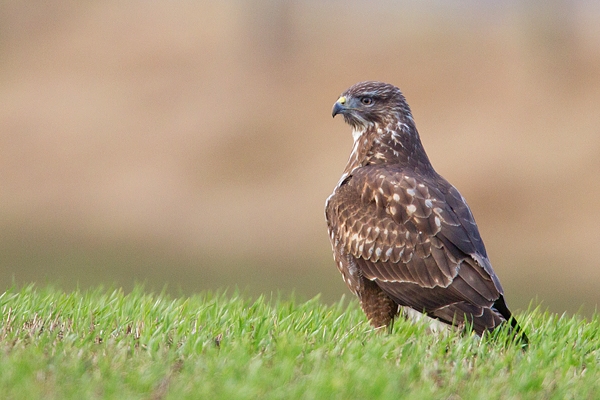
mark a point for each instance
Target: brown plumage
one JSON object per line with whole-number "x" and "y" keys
{"x": 401, "y": 234}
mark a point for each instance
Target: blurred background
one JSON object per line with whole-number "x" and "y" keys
{"x": 190, "y": 144}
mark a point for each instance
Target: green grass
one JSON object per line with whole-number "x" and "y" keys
{"x": 107, "y": 344}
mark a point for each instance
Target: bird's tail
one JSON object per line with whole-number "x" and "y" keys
{"x": 517, "y": 333}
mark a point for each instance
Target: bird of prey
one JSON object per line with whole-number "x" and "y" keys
{"x": 402, "y": 235}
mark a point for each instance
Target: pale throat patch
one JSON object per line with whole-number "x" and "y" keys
{"x": 356, "y": 134}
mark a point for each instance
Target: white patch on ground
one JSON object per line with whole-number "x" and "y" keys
{"x": 434, "y": 326}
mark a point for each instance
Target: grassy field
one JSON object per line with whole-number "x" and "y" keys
{"x": 108, "y": 344}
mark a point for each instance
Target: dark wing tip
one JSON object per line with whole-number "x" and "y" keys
{"x": 518, "y": 332}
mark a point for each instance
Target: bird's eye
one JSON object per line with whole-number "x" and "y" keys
{"x": 367, "y": 101}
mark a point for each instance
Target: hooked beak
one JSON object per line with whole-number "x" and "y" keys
{"x": 339, "y": 106}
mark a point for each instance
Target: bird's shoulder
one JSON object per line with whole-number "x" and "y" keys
{"x": 404, "y": 200}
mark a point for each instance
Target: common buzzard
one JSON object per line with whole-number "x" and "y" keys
{"x": 402, "y": 235}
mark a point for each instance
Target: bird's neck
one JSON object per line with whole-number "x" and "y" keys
{"x": 388, "y": 143}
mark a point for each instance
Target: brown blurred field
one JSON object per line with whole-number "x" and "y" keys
{"x": 191, "y": 143}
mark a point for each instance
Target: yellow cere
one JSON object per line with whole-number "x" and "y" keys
{"x": 342, "y": 100}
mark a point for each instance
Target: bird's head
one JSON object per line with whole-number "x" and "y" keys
{"x": 368, "y": 103}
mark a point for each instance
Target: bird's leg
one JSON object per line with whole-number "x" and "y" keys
{"x": 378, "y": 306}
